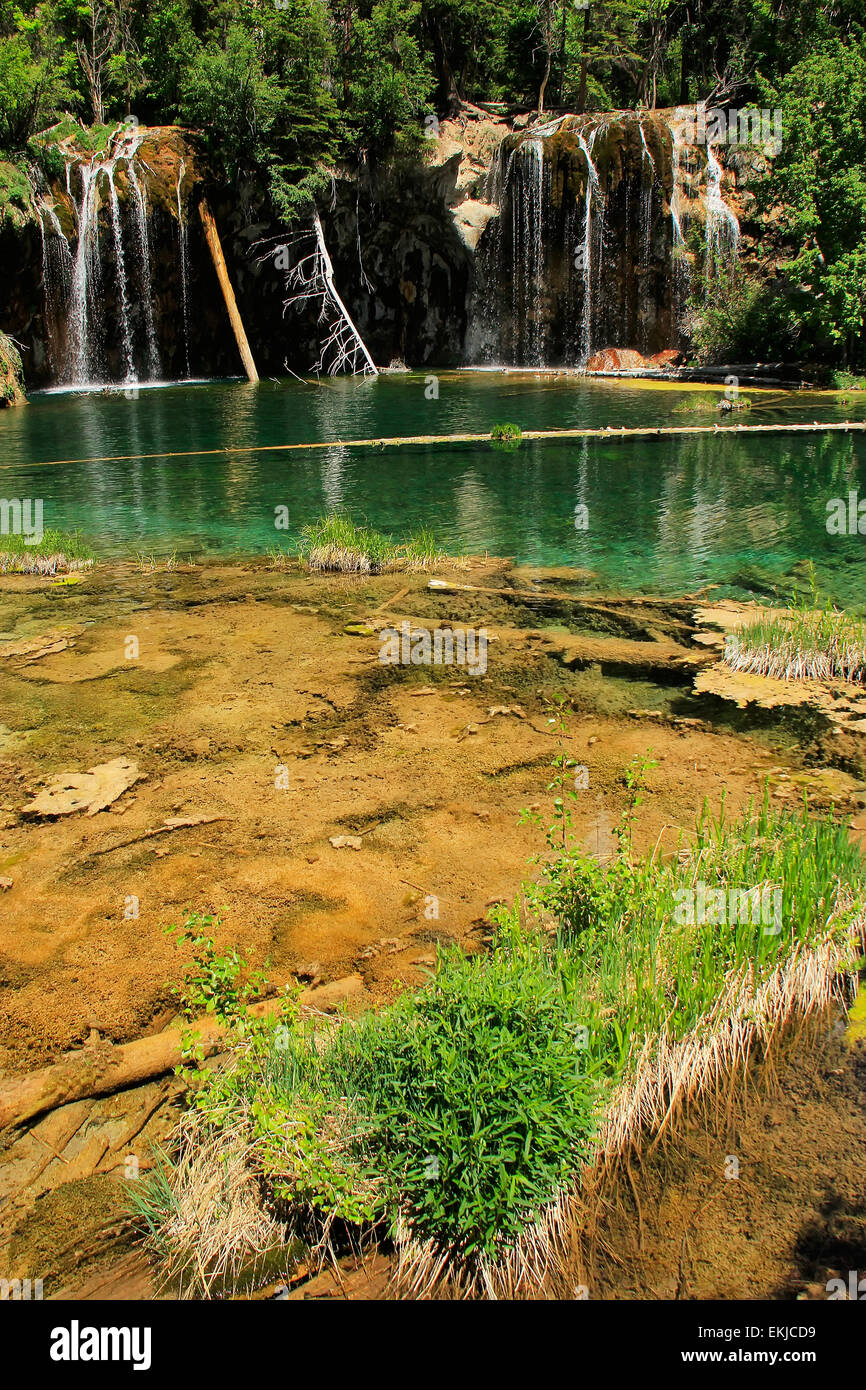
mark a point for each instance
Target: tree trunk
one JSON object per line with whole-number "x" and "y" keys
{"x": 328, "y": 271}
{"x": 216, "y": 251}
{"x": 543, "y": 87}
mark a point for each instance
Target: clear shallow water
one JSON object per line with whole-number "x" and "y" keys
{"x": 665, "y": 515}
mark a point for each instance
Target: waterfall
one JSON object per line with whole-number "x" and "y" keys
{"x": 183, "y": 234}
{"x": 532, "y": 153}
{"x": 122, "y": 287}
{"x": 143, "y": 247}
{"x": 520, "y": 179}
{"x": 676, "y": 221}
{"x": 646, "y": 200}
{"x": 591, "y": 187}
{"x": 86, "y": 276}
{"x": 84, "y": 357}
{"x": 100, "y": 313}
{"x": 723, "y": 229}
{"x": 57, "y": 268}
{"x": 679, "y": 257}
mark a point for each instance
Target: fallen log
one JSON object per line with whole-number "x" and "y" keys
{"x": 100, "y": 1070}
{"x": 589, "y": 599}
{"x": 608, "y": 434}
{"x": 106, "y": 1067}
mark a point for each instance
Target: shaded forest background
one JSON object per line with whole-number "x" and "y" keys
{"x": 286, "y": 89}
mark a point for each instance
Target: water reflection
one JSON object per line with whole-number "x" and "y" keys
{"x": 667, "y": 514}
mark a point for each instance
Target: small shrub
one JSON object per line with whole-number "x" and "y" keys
{"x": 506, "y": 434}
{"x": 480, "y": 1110}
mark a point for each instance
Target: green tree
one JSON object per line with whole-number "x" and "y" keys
{"x": 34, "y": 79}
{"x": 299, "y": 41}
{"x": 228, "y": 94}
{"x": 818, "y": 185}
{"x": 260, "y": 96}
{"x": 390, "y": 79}
{"x": 169, "y": 44}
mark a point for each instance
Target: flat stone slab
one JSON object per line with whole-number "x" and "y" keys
{"x": 89, "y": 791}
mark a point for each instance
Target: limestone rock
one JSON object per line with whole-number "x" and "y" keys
{"x": 89, "y": 791}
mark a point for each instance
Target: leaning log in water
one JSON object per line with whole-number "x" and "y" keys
{"x": 219, "y": 260}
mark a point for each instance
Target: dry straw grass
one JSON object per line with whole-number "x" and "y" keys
{"x": 24, "y": 562}
{"x": 216, "y": 1225}
{"x": 800, "y": 644}
{"x": 667, "y": 1077}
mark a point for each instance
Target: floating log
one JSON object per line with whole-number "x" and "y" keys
{"x": 609, "y": 433}
{"x": 219, "y": 260}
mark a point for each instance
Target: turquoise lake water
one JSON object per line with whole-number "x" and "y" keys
{"x": 665, "y": 515}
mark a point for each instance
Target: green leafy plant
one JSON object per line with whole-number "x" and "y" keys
{"x": 506, "y": 435}
{"x": 213, "y": 983}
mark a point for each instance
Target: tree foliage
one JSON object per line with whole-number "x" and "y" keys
{"x": 285, "y": 89}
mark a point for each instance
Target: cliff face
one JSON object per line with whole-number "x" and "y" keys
{"x": 510, "y": 243}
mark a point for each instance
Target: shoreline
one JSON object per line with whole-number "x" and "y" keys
{"x": 313, "y": 798}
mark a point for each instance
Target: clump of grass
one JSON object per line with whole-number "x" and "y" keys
{"x": 507, "y": 432}
{"x": 506, "y": 437}
{"x": 279, "y": 559}
{"x": 58, "y": 552}
{"x": 697, "y": 404}
{"x": 821, "y": 646}
{"x": 337, "y": 544}
{"x": 711, "y": 405}
{"x": 150, "y": 564}
{"x": 806, "y": 642}
{"x": 201, "y": 1210}
{"x": 459, "y": 1119}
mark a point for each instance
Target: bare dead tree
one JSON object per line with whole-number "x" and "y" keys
{"x": 548, "y": 25}
{"x": 94, "y": 52}
{"x": 311, "y": 281}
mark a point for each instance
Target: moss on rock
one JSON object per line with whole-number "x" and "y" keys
{"x": 11, "y": 374}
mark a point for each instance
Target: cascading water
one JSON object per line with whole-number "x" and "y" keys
{"x": 722, "y": 228}
{"x": 591, "y": 190}
{"x": 183, "y": 247}
{"x": 57, "y": 269}
{"x": 98, "y": 284}
{"x": 122, "y": 287}
{"x": 680, "y": 260}
{"x": 524, "y": 172}
{"x": 143, "y": 249}
{"x": 646, "y": 199}
{"x": 532, "y": 153}
{"x": 583, "y": 254}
